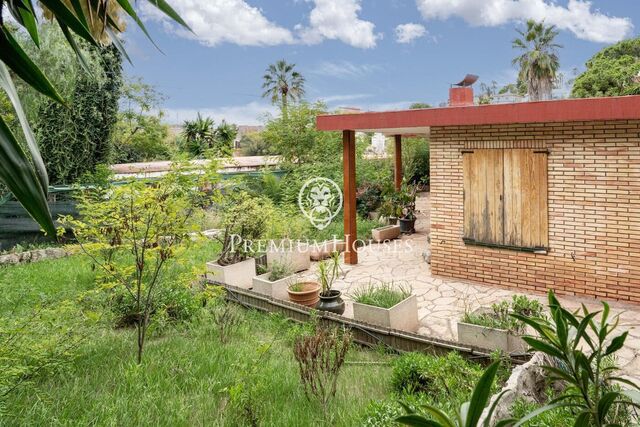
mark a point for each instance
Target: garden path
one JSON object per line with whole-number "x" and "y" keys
{"x": 442, "y": 301}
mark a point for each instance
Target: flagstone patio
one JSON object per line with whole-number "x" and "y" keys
{"x": 442, "y": 301}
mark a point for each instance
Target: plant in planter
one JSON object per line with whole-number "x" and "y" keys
{"x": 275, "y": 282}
{"x": 495, "y": 328}
{"x": 386, "y": 304}
{"x": 407, "y": 203}
{"x": 390, "y": 209}
{"x": 330, "y": 299}
{"x": 304, "y": 293}
{"x": 244, "y": 221}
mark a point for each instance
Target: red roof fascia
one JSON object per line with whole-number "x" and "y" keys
{"x": 569, "y": 110}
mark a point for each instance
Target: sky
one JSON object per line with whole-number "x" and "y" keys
{"x": 371, "y": 54}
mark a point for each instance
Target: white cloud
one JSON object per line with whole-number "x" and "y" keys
{"x": 218, "y": 21}
{"x": 338, "y": 20}
{"x": 577, "y": 17}
{"x": 332, "y": 99}
{"x": 406, "y": 33}
{"x": 345, "y": 69}
{"x": 248, "y": 114}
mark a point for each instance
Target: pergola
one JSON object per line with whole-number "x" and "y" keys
{"x": 419, "y": 122}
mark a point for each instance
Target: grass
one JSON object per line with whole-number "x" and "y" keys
{"x": 187, "y": 376}
{"x": 384, "y": 295}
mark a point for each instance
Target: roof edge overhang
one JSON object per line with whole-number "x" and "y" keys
{"x": 568, "y": 110}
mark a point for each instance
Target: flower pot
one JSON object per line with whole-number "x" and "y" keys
{"x": 385, "y": 233}
{"x": 277, "y": 289}
{"x": 288, "y": 252}
{"x": 374, "y": 216}
{"x": 324, "y": 250}
{"x": 308, "y": 296}
{"x": 402, "y": 316}
{"x": 407, "y": 226}
{"x": 239, "y": 274}
{"x": 392, "y": 220}
{"x": 490, "y": 338}
{"x": 332, "y": 302}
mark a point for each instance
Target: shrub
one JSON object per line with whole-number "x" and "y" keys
{"x": 320, "y": 358}
{"x": 384, "y": 295}
{"x": 500, "y": 315}
{"x": 244, "y": 221}
{"x": 279, "y": 271}
{"x": 368, "y": 198}
{"x": 449, "y": 377}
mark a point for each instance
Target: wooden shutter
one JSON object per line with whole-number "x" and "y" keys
{"x": 483, "y": 188}
{"x": 526, "y": 221}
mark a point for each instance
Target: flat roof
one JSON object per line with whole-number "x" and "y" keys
{"x": 408, "y": 122}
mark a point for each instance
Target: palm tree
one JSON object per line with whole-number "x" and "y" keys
{"x": 282, "y": 83}
{"x": 539, "y": 62}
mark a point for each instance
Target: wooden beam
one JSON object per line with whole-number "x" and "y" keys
{"x": 397, "y": 172}
{"x": 349, "y": 165}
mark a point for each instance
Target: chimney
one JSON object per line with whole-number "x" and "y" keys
{"x": 461, "y": 94}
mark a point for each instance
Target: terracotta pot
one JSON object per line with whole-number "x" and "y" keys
{"x": 331, "y": 302}
{"x": 308, "y": 296}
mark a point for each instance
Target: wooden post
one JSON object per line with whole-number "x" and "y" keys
{"x": 349, "y": 165}
{"x": 397, "y": 172}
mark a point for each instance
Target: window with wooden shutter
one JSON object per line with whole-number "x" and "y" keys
{"x": 505, "y": 198}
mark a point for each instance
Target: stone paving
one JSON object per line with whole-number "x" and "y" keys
{"x": 442, "y": 301}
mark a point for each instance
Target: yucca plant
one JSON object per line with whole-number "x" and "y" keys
{"x": 470, "y": 413}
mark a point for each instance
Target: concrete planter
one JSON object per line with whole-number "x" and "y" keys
{"x": 490, "y": 338}
{"x": 293, "y": 254}
{"x": 240, "y": 274}
{"x": 389, "y": 232}
{"x": 277, "y": 289}
{"x": 402, "y": 316}
{"x": 325, "y": 249}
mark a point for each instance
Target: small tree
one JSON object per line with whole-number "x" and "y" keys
{"x": 137, "y": 231}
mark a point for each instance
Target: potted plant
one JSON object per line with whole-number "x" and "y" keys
{"x": 387, "y": 304}
{"x": 407, "y": 203}
{"x": 243, "y": 222}
{"x": 304, "y": 293}
{"x": 494, "y": 327}
{"x": 390, "y": 209}
{"x": 275, "y": 282}
{"x": 330, "y": 299}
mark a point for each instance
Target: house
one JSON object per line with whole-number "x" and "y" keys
{"x": 528, "y": 196}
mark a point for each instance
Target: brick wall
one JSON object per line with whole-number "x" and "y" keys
{"x": 594, "y": 210}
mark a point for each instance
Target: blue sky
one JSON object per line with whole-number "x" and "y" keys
{"x": 371, "y": 54}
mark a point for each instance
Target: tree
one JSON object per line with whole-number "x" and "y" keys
{"x": 22, "y": 168}
{"x": 133, "y": 233}
{"x": 488, "y": 92}
{"x": 539, "y": 62}
{"x": 614, "y": 71}
{"x": 282, "y": 83}
{"x": 419, "y": 105}
{"x": 226, "y": 134}
{"x": 140, "y": 135}
{"x": 297, "y": 139}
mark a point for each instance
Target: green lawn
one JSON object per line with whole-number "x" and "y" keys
{"x": 186, "y": 372}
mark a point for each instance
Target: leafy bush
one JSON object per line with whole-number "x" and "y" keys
{"x": 415, "y": 160}
{"x": 441, "y": 378}
{"x": 384, "y": 295}
{"x": 500, "y": 315}
{"x": 279, "y": 271}
{"x": 368, "y": 198}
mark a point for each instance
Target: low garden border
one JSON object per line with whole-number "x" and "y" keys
{"x": 363, "y": 333}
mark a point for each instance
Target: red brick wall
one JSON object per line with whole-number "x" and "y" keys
{"x": 594, "y": 210}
